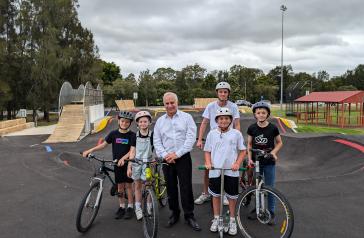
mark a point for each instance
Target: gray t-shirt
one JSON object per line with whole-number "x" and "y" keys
{"x": 211, "y": 109}
{"x": 224, "y": 148}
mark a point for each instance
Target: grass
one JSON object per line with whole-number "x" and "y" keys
{"x": 53, "y": 119}
{"x": 323, "y": 129}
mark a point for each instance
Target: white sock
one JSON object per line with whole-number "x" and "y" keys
{"x": 138, "y": 205}
{"x": 232, "y": 219}
{"x": 216, "y": 217}
{"x": 130, "y": 205}
{"x": 149, "y": 205}
{"x": 122, "y": 205}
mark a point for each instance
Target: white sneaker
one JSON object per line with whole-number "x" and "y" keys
{"x": 232, "y": 228}
{"x": 203, "y": 198}
{"x": 215, "y": 223}
{"x": 226, "y": 201}
{"x": 138, "y": 213}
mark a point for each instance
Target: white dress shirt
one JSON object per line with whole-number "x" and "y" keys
{"x": 176, "y": 134}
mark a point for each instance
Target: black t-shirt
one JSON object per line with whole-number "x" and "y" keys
{"x": 263, "y": 138}
{"x": 121, "y": 142}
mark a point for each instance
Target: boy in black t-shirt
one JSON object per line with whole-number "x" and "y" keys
{"x": 265, "y": 136}
{"x": 123, "y": 147}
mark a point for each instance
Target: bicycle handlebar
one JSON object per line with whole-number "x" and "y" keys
{"x": 202, "y": 167}
{"x": 137, "y": 161}
{"x": 92, "y": 156}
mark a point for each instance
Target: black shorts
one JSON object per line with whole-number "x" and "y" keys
{"x": 121, "y": 174}
{"x": 231, "y": 186}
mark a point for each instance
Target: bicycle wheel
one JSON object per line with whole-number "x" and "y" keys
{"x": 263, "y": 225}
{"x": 88, "y": 208}
{"x": 150, "y": 214}
{"x": 162, "y": 192}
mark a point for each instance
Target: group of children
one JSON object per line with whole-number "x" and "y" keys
{"x": 224, "y": 148}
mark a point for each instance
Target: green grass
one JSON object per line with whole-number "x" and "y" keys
{"x": 53, "y": 119}
{"x": 322, "y": 130}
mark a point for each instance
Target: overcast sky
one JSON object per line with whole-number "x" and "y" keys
{"x": 147, "y": 34}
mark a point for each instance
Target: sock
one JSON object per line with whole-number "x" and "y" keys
{"x": 149, "y": 205}
{"x": 130, "y": 205}
{"x": 138, "y": 205}
{"x": 122, "y": 205}
{"x": 232, "y": 219}
{"x": 216, "y": 217}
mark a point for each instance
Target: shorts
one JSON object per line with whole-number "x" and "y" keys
{"x": 121, "y": 174}
{"x": 138, "y": 171}
{"x": 231, "y": 186}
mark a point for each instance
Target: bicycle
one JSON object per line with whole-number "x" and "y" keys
{"x": 154, "y": 190}
{"x": 91, "y": 201}
{"x": 253, "y": 216}
{"x": 223, "y": 225}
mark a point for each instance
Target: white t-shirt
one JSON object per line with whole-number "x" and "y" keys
{"x": 211, "y": 109}
{"x": 224, "y": 148}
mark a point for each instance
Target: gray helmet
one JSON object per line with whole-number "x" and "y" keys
{"x": 261, "y": 104}
{"x": 126, "y": 115}
{"x": 223, "y": 85}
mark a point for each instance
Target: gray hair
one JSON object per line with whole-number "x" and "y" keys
{"x": 170, "y": 94}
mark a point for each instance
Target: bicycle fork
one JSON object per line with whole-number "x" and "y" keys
{"x": 260, "y": 204}
{"x": 99, "y": 192}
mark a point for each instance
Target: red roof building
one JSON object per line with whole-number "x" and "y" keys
{"x": 338, "y": 108}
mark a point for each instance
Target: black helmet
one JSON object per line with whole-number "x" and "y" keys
{"x": 261, "y": 104}
{"x": 126, "y": 115}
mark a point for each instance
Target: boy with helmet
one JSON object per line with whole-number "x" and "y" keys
{"x": 123, "y": 146}
{"x": 144, "y": 147}
{"x": 265, "y": 136}
{"x": 224, "y": 148}
{"x": 223, "y": 90}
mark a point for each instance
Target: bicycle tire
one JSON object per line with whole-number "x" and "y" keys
{"x": 150, "y": 217}
{"x": 81, "y": 227}
{"x": 256, "y": 228}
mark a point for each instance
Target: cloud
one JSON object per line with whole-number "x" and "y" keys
{"x": 144, "y": 34}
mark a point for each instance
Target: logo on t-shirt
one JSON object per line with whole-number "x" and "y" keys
{"x": 260, "y": 140}
{"x": 122, "y": 141}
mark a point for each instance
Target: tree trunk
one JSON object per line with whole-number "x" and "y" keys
{"x": 46, "y": 115}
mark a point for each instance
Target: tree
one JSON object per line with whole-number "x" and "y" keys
{"x": 110, "y": 72}
{"x": 147, "y": 89}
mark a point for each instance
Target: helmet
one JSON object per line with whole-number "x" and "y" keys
{"x": 261, "y": 104}
{"x": 224, "y": 111}
{"x": 126, "y": 115}
{"x": 143, "y": 114}
{"x": 222, "y": 85}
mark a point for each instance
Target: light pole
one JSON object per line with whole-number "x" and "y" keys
{"x": 283, "y": 9}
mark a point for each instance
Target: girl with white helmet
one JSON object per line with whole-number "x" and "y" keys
{"x": 224, "y": 148}
{"x": 143, "y": 151}
{"x": 223, "y": 90}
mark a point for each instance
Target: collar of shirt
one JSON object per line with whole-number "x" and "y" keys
{"x": 178, "y": 113}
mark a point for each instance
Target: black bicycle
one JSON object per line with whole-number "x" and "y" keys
{"x": 90, "y": 204}
{"x": 253, "y": 216}
{"x": 154, "y": 190}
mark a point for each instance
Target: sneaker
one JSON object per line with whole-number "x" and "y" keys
{"x": 203, "y": 198}
{"x": 120, "y": 213}
{"x": 252, "y": 214}
{"x": 232, "y": 228}
{"x": 215, "y": 223}
{"x": 272, "y": 220}
{"x": 128, "y": 213}
{"x": 226, "y": 201}
{"x": 138, "y": 213}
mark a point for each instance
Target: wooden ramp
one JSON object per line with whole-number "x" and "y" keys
{"x": 201, "y": 103}
{"x": 125, "y": 105}
{"x": 70, "y": 125}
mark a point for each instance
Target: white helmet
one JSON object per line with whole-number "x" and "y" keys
{"x": 222, "y": 85}
{"x": 143, "y": 114}
{"x": 224, "y": 111}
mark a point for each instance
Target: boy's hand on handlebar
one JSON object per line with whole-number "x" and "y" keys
{"x": 85, "y": 153}
{"x": 235, "y": 166}
{"x": 250, "y": 163}
{"x": 208, "y": 166}
{"x": 274, "y": 156}
{"x": 121, "y": 162}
